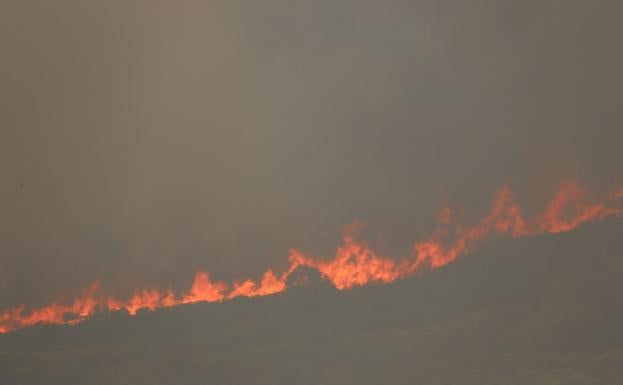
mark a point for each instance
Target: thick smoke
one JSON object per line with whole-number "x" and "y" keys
{"x": 145, "y": 140}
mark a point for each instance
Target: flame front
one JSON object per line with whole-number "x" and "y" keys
{"x": 355, "y": 263}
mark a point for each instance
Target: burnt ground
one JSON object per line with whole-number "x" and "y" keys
{"x": 544, "y": 310}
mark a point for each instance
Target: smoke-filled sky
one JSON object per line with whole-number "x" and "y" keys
{"x": 144, "y": 140}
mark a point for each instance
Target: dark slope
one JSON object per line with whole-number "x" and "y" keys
{"x": 544, "y": 310}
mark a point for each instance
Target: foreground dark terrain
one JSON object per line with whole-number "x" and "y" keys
{"x": 544, "y": 310}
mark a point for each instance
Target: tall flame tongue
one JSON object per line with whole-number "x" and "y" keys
{"x": 354, "y": 263}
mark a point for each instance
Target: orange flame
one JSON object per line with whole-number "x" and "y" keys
{"x": 355, "y": 263}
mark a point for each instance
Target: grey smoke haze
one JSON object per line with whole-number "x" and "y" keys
{"x": 142, "y": 140}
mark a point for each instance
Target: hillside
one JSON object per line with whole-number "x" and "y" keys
{"x": 544, "y": 310}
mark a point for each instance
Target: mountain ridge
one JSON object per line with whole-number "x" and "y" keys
{"x": 542, "y": 310}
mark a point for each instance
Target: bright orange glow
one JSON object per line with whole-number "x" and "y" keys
{"x": 355, "y": 263}
{"x": 204, "y": 290}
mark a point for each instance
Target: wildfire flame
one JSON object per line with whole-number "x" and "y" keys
{"x": 355, "y": 263}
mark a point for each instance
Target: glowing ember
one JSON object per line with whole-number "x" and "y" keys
{"x": 354, "y": 263}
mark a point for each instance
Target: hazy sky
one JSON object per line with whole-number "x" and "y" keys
{"x": 142, "y": 140}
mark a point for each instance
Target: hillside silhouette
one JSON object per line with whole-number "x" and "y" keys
{"x": 543, "y": 310}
